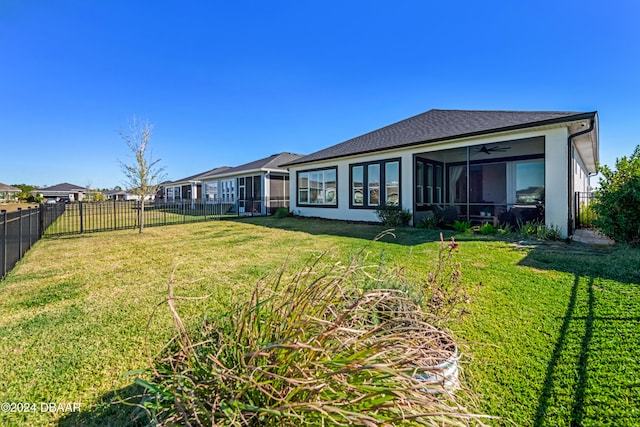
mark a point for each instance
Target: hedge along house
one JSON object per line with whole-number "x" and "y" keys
{"x": 258, "y": 187}
{"x": 490, "y": 166}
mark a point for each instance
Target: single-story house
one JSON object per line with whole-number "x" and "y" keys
{"x": 74, "y": 193}
{"x": 488, "y": 165}
{"x": 257, "y": 187}
{"x": 189, "y": 188}
{"x": 124, "y": 195}
{"x": 8, "y": 193}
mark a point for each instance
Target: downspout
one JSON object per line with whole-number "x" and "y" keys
{"x": 570, "y": 195}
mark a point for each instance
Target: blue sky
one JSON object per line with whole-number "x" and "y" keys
{"x": 224, "y": 83}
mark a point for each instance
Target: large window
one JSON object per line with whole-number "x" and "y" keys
{"x": 496, "y": 186}
{"x": 428, "y": 183}
{"x": 375, "y": 183}
{"x": 227, "y": 190}
{"x": 318, "y": 187}
{"x": 211, "y": 190}
{"x": 529, "y": 182}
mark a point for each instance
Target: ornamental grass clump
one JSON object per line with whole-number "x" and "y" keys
{"x": 313, "y": 349}
{"x": 444, "y": 295}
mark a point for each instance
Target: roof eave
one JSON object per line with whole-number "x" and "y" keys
{"x": 559, "y": 120}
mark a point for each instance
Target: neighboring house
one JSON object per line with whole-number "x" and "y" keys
{"x": 257, "y": 187}
{"x": 8, "y": 193}
{"x": 72, "y": 192}
{"x": 189, "y": 188}
{"x": 123, "y": 195}
{"x": 489, "y": 165}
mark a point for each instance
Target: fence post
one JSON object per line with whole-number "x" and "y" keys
{"x": 4, "y": 243}
{"x": 20, "y": 232}
{"x": 29, "y": 210}
{"x": 576, "y": 208}
{"x": 81, "y": 218}
{"x": 115, "y": 214}
{"x": 41, "y": 225}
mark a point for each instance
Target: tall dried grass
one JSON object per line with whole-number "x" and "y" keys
{"x": 308, "y": 349}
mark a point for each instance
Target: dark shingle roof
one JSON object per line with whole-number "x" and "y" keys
{"x": 272, "y": 162}
{"x": 199, "y": 176}
{"x": 438, "y": 125}
{"x": 65, "y": 186}
{"x": 5, "y": 187}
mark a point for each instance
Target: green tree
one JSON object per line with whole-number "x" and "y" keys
{"x": 143, "y": 175}
{"x": 617, "y": 202}
{"x": 26, "y": 194}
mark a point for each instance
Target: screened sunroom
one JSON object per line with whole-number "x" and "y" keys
{"x": 494, "y": 183}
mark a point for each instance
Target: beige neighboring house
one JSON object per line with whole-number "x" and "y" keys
{"x": 257, "y": 187}
{"x": 74, "y": 193}
{"x": 189, "y": 188}
{"x": 8, "y": 193}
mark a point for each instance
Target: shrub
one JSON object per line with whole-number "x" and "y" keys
{"x": 586, "y": 215}
{"x": 447, "y": 215}
{"x": 314, "y": 350}
{"x": 393, "y": 215}
{"x": 617, "y": 202}
{"x": 538, "y": 230}
{"x": 550, "y": 232}
{"x": 281, "y": 213}
{"x": 429, "y": 222}
{"x": 488, "y": 229}
{"x": 461, "y": 226}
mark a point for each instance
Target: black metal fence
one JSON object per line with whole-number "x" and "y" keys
{"x": 87, "y": 217}
{"x": 585, "y": 214}
{"x": 19, "y": 230}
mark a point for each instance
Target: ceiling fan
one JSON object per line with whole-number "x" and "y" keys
{"x": 488, "y": 151}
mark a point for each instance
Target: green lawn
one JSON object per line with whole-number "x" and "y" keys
{"x": 552, "y": 338}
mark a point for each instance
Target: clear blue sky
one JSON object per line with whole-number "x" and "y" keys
{"x": 228, "y": 82}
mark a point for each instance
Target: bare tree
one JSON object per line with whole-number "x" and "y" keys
{"x": 144, "y": 175}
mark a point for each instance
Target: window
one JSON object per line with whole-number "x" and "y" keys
{"x": 375, "y": 183}
{"x": 529, "y": 182}
{"x": 429, "y": 179}
{"x": 227, "y": 190}
{"x": 373, "y": 174}
{"x": 438, "y": 181}
{"x": 392, "y": 183}
{"x": 420, "y": 183}
{"x": 318, "y": 187}
{"x": 211, "y": 190}
{"x": 357, "y": 185}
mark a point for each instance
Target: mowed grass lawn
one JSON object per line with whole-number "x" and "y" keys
{"x": 552, "y": 337}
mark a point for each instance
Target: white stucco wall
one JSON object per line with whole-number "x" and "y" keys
{"x": 556, "y": 179}
{"x": 580, "y": 174}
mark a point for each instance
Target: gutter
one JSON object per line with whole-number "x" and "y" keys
{"x": 570, "y": 174}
